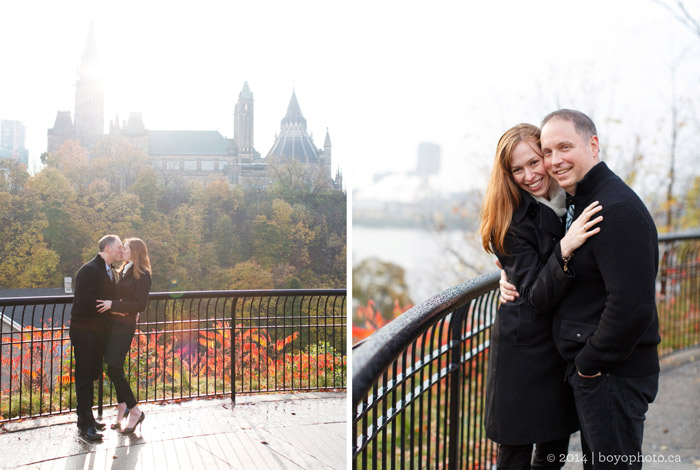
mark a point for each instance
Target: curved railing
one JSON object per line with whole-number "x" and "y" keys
{"x": 418, "y": 383}
{"x": 187, "y": 345}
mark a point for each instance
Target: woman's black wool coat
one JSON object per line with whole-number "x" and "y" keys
{"x": 527, "y": 398}
{"x": 130, "y": 296}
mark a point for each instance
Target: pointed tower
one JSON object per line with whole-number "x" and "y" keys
{"x": 326, "y": 155}
{"x": 89, "y": 96}
{"x": 294, "y": 120}
{"x": 327, "y": 148}
{"x": 243, "y": 125}
{"x": 114, "y": 126}
{"x": 293, "y": 140}
{"x": 61, "y": 131}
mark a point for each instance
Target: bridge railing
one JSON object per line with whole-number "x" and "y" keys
{"x": 418, "y": 383}
{"x": 187, "y": 345}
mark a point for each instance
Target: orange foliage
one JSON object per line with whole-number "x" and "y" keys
{"x": 372, "y": 319}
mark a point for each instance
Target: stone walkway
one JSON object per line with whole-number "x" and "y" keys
{"x": 281, "y": 431}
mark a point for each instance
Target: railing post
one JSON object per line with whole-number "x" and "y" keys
{"x": 233, "y": 350}
{"x": 455, "y": 384}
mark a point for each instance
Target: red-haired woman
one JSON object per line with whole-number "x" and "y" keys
{"x": 527, "y": 400}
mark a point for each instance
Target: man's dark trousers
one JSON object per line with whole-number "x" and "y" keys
{"x": 611, "y": 410}
{"x": 87, "y": 350}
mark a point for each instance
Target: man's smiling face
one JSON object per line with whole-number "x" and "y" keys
{"x": 568, "y": 156}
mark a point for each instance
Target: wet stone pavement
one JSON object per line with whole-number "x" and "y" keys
{"x": 672, "y": 427}
{"x": 280, "y": 431}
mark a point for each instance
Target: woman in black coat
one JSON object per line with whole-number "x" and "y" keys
{"x": 130, "y": 298}
{"x": 527, "y": 400}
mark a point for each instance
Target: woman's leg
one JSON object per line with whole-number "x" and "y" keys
{"x": 124, "y": 393}
{"x": 514, "y": 457}
{"x": 551, "y": 455}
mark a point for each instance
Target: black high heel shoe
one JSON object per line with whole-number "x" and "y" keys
{"x": 119, "y": 424}
{"x": 138, "y": 423}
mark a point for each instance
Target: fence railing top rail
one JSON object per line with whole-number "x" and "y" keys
{"x": 672, "y": 237}
{"x": 67, "y": 299}
{"x": 376, "y": 353}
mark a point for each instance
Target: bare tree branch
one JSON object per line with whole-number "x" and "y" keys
{"x": 683, "y": 16}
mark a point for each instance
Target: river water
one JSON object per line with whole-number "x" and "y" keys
{"x": 425, "y": 256}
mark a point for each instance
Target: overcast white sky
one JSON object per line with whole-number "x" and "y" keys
{"x": 383, "y": 76}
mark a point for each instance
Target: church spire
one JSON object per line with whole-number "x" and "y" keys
{"x": 294, "y": 115}
{"x": 90, "y": 44}
{"x": 89, "y": 96}
{"x": 245, "y": 92}
{"x": 89, "y": 62}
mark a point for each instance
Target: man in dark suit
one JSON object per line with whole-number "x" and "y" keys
{"x": 88, "y": 328}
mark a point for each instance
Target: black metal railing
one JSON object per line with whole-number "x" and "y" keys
{"x": 187, "y": 345}
{"x": 418, "y": 383}
{"x": 678, "y": 291}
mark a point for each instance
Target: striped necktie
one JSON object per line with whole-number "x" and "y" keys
{"x": 111, "y": 275}
{"x": 569, "y": 216}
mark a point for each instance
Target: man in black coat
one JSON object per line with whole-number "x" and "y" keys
{"x": 88, "y": 328}
{"x": 606, "y": 327}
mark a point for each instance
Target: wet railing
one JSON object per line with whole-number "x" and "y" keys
{"x": 187, "y": 345}
{"x": 418, "y": 383}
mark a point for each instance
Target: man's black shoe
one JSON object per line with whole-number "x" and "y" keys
{"x": 91, "y": 434}
{"x": 100, "y": 426}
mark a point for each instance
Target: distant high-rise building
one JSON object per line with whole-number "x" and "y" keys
{"x": 428, "y": 159}
{"x": 12, "y": 141}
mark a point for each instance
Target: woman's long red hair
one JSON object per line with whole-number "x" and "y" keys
{"x": 139, "y": 256}
{"x": 502, "y": 196}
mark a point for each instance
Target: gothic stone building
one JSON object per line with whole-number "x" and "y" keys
{"x": 194, "y": 155}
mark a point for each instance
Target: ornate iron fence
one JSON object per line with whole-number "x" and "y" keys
{"x": 187, "y": 345}
{"x": 418, "y": 383}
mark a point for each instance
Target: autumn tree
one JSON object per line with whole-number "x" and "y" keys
{"x": 382, "y": 282}
{"x": 118, "y": 161}
{"x": 67, "y": 232}
{"x": 200, "y": 236}
{"x": 25, "y": 259}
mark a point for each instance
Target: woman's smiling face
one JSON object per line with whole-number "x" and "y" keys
{"x": 527, "y": 168}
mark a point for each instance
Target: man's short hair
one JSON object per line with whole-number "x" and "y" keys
{"x": 582, "y": 123}
{"x": 106, "y": 241}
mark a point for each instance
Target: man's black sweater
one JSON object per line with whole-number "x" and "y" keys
{"x": 607, "y": 321}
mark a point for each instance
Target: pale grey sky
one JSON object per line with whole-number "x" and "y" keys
{"x": 382, "y": 76}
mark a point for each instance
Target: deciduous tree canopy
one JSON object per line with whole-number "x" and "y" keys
{"x": 200, "y": 237}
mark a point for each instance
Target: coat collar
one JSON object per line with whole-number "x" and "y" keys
{"x": 590, "y": 185}
{"x": 545, "y": 218}
{"x": 528, "y": 206}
